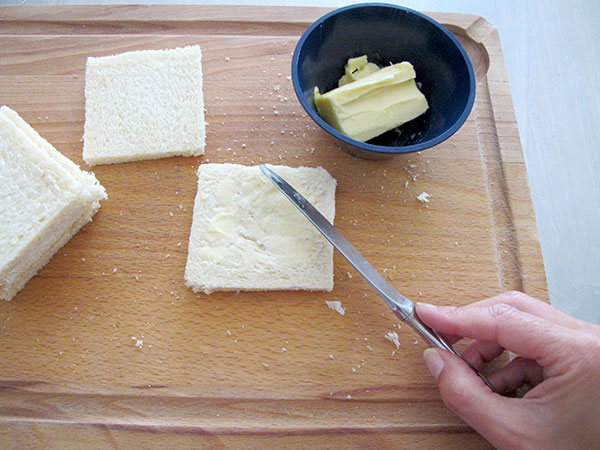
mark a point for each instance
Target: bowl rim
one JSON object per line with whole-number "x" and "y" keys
{"x": 381, "y": 148}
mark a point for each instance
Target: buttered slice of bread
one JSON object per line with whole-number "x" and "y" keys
{"x": 144, "y": 105}
{"x": 44, "y": 200}
{"x": 247, "y": 236}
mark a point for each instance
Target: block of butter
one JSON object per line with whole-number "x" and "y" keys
{"x": 373, "y": 104}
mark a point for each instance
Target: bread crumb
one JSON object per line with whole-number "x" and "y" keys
{"x": 139, "y": 343}
{"x": 424, "y": 197}
{"x": 336, "y": 306}
{"x": 392, "y": 336}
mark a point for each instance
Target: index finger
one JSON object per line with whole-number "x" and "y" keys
{"x": 515, "y": 330}
{"x": 538, "y": 308}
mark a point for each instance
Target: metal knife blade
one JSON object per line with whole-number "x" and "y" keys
{"x": 400, "y": 305}
{"x": 395, "y": 300}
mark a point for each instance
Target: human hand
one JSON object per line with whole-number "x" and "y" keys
{"x": 557, "y": 354}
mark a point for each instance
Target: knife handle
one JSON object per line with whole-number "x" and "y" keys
{"x": 435, "y": 340}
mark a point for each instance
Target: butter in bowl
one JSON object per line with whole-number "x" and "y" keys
{"x": 389, "y": 80}
{"x": 371, "y": 100}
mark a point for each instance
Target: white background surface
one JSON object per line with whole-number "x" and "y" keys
{"x": 552, "y": 54}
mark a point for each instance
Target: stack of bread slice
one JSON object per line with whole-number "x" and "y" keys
{"x": 45, "y": 199}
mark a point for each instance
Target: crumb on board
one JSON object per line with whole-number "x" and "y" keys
{"x": 139, "y": 343}
{"x": 336, "y": 306}
{"x": 424, "y": 197}
{"x": 392, "y": 336}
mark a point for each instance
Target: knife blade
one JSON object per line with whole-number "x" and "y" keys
{"x": 402, "y": 307}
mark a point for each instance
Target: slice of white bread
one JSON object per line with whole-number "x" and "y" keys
{"x": 44, "y": 200}
{"x": 247, "y": 236}
{"x": 144, "y": 105}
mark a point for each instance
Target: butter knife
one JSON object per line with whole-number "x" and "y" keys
{"x": 402, "y": 307}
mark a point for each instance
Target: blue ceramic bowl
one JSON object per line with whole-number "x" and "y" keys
{"x": 388, "y": 34}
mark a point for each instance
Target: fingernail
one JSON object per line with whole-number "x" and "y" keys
{"x": 434, "y": 362}
{"x": 426, "y": 305}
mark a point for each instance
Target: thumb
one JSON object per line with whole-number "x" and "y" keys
{"x": 465, "y": 394}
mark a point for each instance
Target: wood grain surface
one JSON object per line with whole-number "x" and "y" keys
{"x": 248, "y": 369}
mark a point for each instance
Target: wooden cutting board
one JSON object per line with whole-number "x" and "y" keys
{"x": 106, "y": 347}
